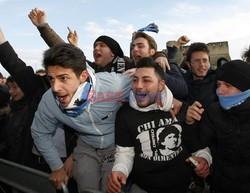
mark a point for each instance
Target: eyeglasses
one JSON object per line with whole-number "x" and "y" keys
{"x": 198, "y": 61}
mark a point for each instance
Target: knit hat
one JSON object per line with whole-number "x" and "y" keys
{"x": 4, "y": 95}
{"x": 112, "y": 44}
{"x": 236, "y": 73}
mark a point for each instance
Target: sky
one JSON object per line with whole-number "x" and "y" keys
{"x": 200, "y": 20}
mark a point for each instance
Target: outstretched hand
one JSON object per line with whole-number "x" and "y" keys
{"x": 37, "y": 17}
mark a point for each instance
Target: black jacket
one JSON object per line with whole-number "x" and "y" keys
{"x": 229, "y": 132}
{"x": 203, "y": 90}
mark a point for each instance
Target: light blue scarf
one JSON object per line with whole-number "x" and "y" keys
{"x": 227, "y": 102}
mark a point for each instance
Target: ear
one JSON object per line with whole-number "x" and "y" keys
{"x": 152, "y": 52}
{"x": 162, "y": 85}
{"x": 84, "y": 75}
{"x": 188, "y": 64}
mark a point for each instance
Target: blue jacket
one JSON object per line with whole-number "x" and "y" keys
{"x": 95, "y": 125}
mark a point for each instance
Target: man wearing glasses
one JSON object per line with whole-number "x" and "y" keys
{"x": 200, "y": 78}
{"x": 201, "y": 82}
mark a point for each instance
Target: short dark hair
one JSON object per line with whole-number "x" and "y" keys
{"x": 66, "y": 56}
{"x": 196, "y": 47}
{"x": 10, "y": 79}
{"x": 148, "y": 62}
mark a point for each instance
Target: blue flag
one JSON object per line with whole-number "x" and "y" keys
{"x": 152, "y": 27}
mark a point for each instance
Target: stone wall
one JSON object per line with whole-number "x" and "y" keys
{"x": 217, "y": 50}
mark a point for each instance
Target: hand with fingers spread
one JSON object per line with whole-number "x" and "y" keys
{"x": 72, "y": 37}
{"x": 115, "y": 181}
{"x": 163, "y": 62}
{"x": 37, "y": 17}
{"x": 57, "y": 177}
{"x": 194, "y": 113}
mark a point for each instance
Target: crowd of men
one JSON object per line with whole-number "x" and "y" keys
{"x": 127, "y": 124}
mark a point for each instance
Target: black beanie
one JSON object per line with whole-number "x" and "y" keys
{"x": 4, "y": 95}
{"x": 112, "y": 44}
{"x": 236, "y": 73}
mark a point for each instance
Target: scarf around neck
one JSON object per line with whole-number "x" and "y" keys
{"x": 78, "y": 102}
{"x": 166, "y": 99}
{"x": 229, "y": 101}
{"x": 81, "y": 98}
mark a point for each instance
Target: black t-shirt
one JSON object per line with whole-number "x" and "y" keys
{"x": 160, "y": 148}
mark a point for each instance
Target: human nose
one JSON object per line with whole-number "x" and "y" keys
{"x": 221, "y": 90}
{"x": 55, "y": 85}
{"x": 138, "y": 85}
{"x": 204, "y": 61}
{"x": 11, "y": 90}
{"x": 97, "y": 47}
{"x": 135, "y": 49}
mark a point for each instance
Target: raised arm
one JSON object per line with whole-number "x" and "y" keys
{"x": 38, "y": 18}
{"x": 72, "y": 37}
{"x": 182, "y": 41}
{"x": 172, "y": 50}
{"x": 23, "y": 75}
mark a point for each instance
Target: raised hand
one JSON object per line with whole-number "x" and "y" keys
{"x": 72, "y": 37}
{"x": 183, "y": 40}
{"x": 37, "y": 17}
